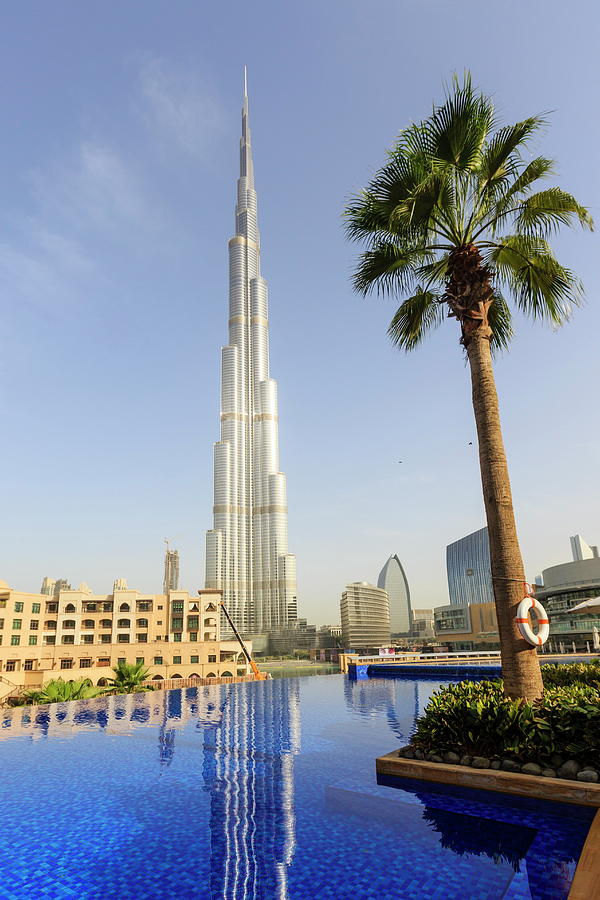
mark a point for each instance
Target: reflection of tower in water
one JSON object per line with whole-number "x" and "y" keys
{"x": 395, "y": 698}
{"x": 249, "y": 772}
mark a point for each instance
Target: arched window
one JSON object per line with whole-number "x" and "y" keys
{"x": 142, "y": 623}
{"x": 210, "y": 607}
{"x": 194, "y": 675}
{"x": 124, "y": 607}
{"x": 69, "y": 623}
{"x": 175, "y": 676}
{"x": 211, "y": 675}
{"x": 158, "y": 678}
{"x": 87, "y": 623}
{"x": 226, "y": 675}
{"x": 102, "y": 682}
{"x": 69, "y": 608}
{"x": 124, "y": 623}
{"x": 210, "y": 623}
{"x": 50, "y": 625}
{"x": 105, "y": 623}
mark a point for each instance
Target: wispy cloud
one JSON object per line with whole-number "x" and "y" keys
{"x": 95, "y": 190}
{"x": 78, "y": 206}
{"x": 180, "y": 108}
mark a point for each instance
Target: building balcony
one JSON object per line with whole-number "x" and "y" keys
{"x": 581, "y": 627}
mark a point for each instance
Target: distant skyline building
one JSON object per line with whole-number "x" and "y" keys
{"x": 582, "y": 550}
{"x": 171, "y": 572}
{"x": 48, "y": 586}
{"x": 566, "y": 585}
{"x": 423, "y": 624}
{"x": 365, "y": 616}
{"x": 469, "y": 569}
{"x": 247, "y": 548}
{"x": 394, "y": 582}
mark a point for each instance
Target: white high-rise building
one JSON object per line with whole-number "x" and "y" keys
{"x": 365, "y": 616}
{"x": 247, "y": 549}
{"x": 171, "y": 571}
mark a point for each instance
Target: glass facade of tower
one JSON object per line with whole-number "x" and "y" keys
{"x": 469, "y": 569}
{"x": 394, "y": 582}
{"x": 247, "y": 549}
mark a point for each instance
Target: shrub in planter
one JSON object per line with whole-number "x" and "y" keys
{"x": 475, "y": 718}
{"x": 559, "y": 675}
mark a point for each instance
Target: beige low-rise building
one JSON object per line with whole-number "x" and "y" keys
{"x": 76, "y": 633}
{"x": 467, "y": 626}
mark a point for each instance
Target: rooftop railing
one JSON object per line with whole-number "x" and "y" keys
{"x": 459, "y": 656}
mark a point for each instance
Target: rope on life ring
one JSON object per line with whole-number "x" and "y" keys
{"x": 522, "y": 620}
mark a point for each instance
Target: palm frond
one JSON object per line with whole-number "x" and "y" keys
{"x": 434, "y": 273}
{"x": 387, "y": 267}
{"x": 542, "y": 288}
{"x": 365, "y": 217}
{"x": 500, "y": 321}
{"x": 456, "y": 131}
{"x": 545, "y": 211}
{"x": 500, "y": 157}
{"x": 417, "y": 316}
{"x": 538, "y": 168}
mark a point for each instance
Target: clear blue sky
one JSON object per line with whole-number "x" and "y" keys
{"x": 119, "y": 157}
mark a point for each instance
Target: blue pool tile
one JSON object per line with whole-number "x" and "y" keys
{"x": 259, "y": 791}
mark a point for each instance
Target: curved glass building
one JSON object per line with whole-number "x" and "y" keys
{"x": 469, "y": 569}
{"x": 394, "y": 582}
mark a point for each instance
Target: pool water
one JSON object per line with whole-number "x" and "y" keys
{"x": 259, "y": 791}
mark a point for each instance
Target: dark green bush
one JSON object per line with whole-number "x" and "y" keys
{"x": 475, "y": 718}
{"x": 558, "y": 675}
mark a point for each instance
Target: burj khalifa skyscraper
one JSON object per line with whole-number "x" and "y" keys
{"x": 247, "y": 549}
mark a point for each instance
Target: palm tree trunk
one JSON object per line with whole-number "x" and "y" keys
{"x": 520, "y": 665}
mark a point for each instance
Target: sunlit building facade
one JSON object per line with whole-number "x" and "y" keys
{"x": 78, "y": 634}
{"x": 247, "y": 549}
{"x": 365, "y": 616}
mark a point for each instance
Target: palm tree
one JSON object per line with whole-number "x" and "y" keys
{"x": 59, "y": 691}
{"x": 450, "y": 222}
{"x": 129, "y": 677}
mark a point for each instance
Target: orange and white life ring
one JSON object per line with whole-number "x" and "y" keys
{"x": 525, "y": 628}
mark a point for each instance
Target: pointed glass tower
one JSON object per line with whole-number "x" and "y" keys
{"x": 247, "y": 549}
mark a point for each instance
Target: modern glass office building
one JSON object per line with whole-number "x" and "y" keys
{"x": 469, "y": 569}
{"x": 394, "y": 582}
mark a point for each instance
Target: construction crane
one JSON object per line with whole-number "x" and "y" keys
{"x": 260, "y": 676}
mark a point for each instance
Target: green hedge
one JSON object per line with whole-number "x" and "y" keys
{"x": 558, "y": 675}
{"x": 475, "y": 718}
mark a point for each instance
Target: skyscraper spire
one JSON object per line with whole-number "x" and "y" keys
{"x": 246, "y": 550}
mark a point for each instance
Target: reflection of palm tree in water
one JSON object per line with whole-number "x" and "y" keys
{"x": 397, "y": 699}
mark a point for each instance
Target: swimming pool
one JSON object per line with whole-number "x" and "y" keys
{"x": 262, "y": 790}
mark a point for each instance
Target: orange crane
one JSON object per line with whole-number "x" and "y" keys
{"x": 260, "y": 676}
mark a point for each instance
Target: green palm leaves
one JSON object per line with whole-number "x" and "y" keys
{"x": 457, "y": 181}
{"x": 60, "y": 691}
{"x": 129, "y": 678}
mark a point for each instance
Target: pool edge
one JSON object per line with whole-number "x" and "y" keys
{"x": 558, "y": 790}
{"x": 586, "y": 881}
